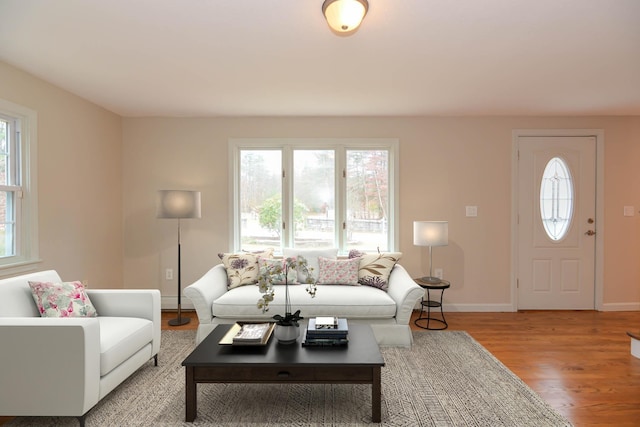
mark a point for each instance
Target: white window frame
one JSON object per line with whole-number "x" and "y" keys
{"x": 26, "y": 200}
{"x": 341, "y": 146}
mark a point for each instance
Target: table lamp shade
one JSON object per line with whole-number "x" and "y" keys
{"x": 431, "y": 233}
{"x": 178, "y": 204}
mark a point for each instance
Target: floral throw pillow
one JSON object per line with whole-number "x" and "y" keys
{"x": 66, "y": 299}
{"x": 242, "y": 268}
{"x": 375, "y": 269}
{"x": 338, "y": 271}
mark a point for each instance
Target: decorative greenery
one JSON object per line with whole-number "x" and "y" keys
{"x": 268, "y": 275}
{"x": 271, "y": 213}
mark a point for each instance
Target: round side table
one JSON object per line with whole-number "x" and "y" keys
{"x": 429, "y": 303}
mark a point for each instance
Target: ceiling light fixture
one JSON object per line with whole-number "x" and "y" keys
{"x": 344, "y": 16}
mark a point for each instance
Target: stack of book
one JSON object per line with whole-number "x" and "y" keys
{"x": 326, "y": 332}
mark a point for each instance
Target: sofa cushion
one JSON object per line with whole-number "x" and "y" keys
{"x": 120, "y": 338}
{"x": 338, "y": 271}
{"x": 343, "y": 301}
{"x": 311, "y": 255}
{"x": 242, "y": 268}
{"x": 62, "y": 299}
{"x": 375, "y": 269}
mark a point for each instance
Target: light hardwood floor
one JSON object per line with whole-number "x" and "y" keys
{"x": 577, "y": 361}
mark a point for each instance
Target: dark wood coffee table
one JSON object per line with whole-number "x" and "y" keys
{"x": 358, "y": 363}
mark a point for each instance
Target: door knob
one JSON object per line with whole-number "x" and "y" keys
{"x": 590, "y": 232}
{"x": 590, "y": 221}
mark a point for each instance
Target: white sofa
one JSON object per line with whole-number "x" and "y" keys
{"x": 388, "y": 312}
{"x": 64, "y": 366}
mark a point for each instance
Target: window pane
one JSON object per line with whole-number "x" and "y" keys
{"x": 260, "y": 199}
{"x": 367, "y": 199}
{"x": 4, "y": 131}
{"x": 314, "y": 198}
{"x": 556, "y": 199}
{"x": 7, "y": 224}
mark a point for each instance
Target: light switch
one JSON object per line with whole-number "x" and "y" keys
{"x": 472, "y": 210}
{"x": 629, "y": 211}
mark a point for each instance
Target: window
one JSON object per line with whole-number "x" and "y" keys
{"x": 18, "y": 216}
{"x": 314, "y": 193}
{"x": 556, "y": 198}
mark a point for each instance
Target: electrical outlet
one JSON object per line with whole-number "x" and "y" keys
{"x": 168, "y": 274}
{"x": 438, "y": 273}
{"x": 471, "y": 211}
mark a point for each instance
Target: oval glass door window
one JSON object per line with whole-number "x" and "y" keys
{"x": 556, "y": 198}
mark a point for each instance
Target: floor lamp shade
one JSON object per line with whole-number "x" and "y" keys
{"x": 178, "y": 204}
{"x": 431, "y": 233}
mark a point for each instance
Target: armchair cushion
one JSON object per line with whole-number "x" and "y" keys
{"x": 120, "y": 337}
{"x": 62, "y": 299}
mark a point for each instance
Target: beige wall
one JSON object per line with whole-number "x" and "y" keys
{"x": 98, "y": 174}
{"x": 446, "y": 163}
{"x": 79, "y": 180}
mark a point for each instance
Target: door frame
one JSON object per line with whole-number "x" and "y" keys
{"x": 599, "y": 225}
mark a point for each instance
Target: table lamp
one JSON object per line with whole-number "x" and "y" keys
{"x": 431, "y": 233}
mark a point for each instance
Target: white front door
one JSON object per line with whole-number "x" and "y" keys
{"x": 556, "y": 222}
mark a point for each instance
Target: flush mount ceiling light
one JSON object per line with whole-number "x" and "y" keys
{"x": 344, "y": 16}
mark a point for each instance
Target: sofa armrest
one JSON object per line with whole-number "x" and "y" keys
{"x": 207, "y": 289}
{"x": 50, "y": 366}
{"x": 405, "y": 292}
{"x": 141, "y": 303}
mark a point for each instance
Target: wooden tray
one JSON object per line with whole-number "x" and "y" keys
{"x": 227, "y": 339}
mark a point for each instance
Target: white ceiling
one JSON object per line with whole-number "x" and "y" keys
{"x": 278, "y": 57}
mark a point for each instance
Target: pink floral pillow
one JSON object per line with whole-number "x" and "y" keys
{"x": 66, "y": 299}
{"x": 338, "y": 271}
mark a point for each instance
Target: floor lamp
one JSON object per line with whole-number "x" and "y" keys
{"x": 178, "y": 204}
{"x": 431, "y": 233}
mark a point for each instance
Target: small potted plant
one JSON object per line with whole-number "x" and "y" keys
{"x": 287, "y": 326}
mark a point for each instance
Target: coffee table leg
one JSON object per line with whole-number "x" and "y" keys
{"x": 191, "y": 403}
{"x": 376, "y": 395}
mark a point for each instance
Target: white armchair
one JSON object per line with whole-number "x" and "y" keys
{"x": 64, "y": 366}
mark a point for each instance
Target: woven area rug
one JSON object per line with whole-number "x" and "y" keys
{"x": 445, "y": 379}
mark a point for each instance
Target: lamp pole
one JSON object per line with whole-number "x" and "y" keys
{"x": 179, "y": 320}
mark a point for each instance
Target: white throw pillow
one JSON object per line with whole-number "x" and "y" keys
{"x": 311, "y": 255}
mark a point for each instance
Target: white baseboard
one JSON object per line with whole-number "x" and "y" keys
{"x": 470, "y": 308}
{"x": 621, "y": 306}
{"x": 486, "y": 308}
